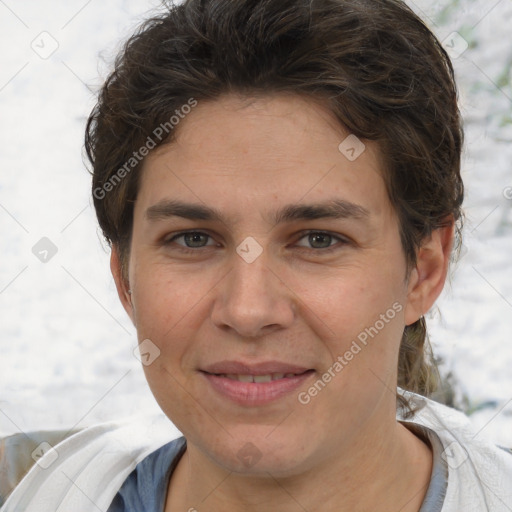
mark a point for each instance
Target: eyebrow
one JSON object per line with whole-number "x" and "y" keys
{"x": 333, "y": 209}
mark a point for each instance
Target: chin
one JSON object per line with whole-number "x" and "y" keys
{"x": 260, "y": 451}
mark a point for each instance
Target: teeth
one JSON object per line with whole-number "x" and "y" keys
{"x": 262, "y": 378}
{"x": 257, "y": 378}
{"x": 241, "y": 378}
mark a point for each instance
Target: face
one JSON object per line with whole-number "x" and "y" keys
{"x": 283, "y": 257}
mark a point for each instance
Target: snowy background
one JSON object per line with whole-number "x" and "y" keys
{"x": 66, "y": 344}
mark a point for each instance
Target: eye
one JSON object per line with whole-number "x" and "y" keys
{"x": 322, "y": 240}
{"x": 317, "y": 240}
{"x": 192, "y": 239}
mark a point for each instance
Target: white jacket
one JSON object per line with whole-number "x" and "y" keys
{"x": 84, "y": 472}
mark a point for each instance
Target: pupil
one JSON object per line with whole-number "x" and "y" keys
{"x": 193, "y": 238}
{"x": 320, "y": 236}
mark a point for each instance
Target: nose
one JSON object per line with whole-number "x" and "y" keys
{"x": 253, "y": 299}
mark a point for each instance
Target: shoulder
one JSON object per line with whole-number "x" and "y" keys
{"x": 93, "y": 462}
{"x": 479, "y": 472}
{"x": 20, "y": 451}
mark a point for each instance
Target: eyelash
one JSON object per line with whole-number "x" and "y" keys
{"x": 185, "y": 250}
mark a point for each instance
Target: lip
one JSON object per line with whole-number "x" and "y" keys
{"x": 262, "y": 368}
{"x": 251, "y": 394}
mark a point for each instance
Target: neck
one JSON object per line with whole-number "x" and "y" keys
{"x": 390, "y": 471}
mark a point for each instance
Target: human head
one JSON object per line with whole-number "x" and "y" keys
{"x": 372, "y": 63}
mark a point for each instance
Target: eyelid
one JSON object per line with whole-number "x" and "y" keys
{"x": 343, "y": 240}
{"x": 322, "y": 232}
{"x": 340, "y": 238}
{"x": 173, "y": 236}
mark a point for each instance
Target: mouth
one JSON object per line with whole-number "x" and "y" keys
{"x": 263, "y": 368}
{"x": 269, "y": 377}
{"x": 255, "y": 389}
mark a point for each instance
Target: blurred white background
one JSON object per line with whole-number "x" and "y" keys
{"x": 66, "y": 344}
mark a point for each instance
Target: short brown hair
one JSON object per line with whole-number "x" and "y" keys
{"x": 373, "y": 63}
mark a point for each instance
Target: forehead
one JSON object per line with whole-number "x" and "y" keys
{"x": 236, "y": 154}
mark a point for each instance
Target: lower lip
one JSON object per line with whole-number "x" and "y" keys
{"x": 256, "y": 393}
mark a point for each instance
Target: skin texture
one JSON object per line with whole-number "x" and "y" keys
{"x": 296, "y": 303}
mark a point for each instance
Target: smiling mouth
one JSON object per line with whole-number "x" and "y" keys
{"x": 258, "y": 378}
{"x": 249, "y": 390}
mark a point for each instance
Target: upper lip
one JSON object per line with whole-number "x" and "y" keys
{"x": 262, "y": 368}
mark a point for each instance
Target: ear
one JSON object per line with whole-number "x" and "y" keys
{"x": 122, "y": 285}
{"x": 426, "y": 280}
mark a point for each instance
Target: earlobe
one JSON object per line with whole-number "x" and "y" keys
{"x": 122, "y": 286}
{"x": 427, "y": 279}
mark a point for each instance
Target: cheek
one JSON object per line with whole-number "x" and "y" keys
{"x": 172, "y": 309}
{"x": 168, "y": 311}
{"x": 164, "y": 300}
{"x": 365, "y": 313}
